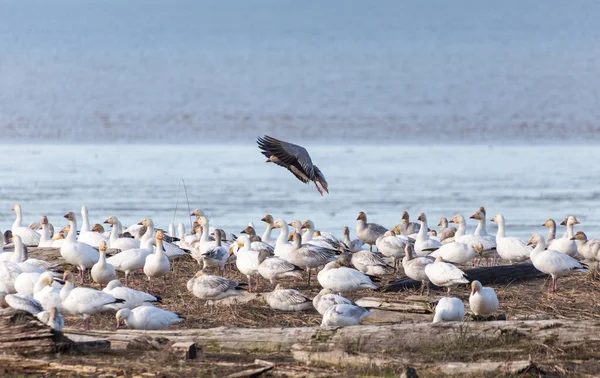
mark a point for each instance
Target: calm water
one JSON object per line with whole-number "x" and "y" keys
{"x": 233, "y": 185}
{"x": 439, "y": 71}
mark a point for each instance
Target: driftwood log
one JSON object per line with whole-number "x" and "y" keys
{"x": 491, "y": 275}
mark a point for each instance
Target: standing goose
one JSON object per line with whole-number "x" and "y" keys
{"x": 157, "y": 264}
{"x": 132, "y": 259}
{"x": 86, "y": 235}
{"x": 133, "y": 298}
{"x": 411, "y": 227}
{"x": 488, "y": 242}
{"x": 510, "y": 249}
{"x": 215, "y": 256}
{"x": 341, "y": 279}
{"x": 551, "y": 224}
{"x": 414, "y": 267}
{"x": 424, "y": 244}
{"x": 587, "y": 248}
{"x": 288, "y": 300}
{"x": 30, "y": 238}
{"x": 353, "y": 245}
{"x": 449, "y": 309}
{"x": 368, "y": 232}
{"x": 326, "y": 299}
{"x": 81, "y": 255}
{"x": 267, "y": 238}
{"x": 274, "y": 268}
{"x": 103, "y": 272}
{"x": 247, "y": 260}
{"x": 565, "y": 244}
{"x": 480, "y": 215}
{"x": 309, "y": 256}
{"x": 293, "y": 157}
{"x": 171, "y": 250}
{"x": 367, "y": 262}
{"x": 212, "y": 288}
{"x": 45, "y": 234}
{"x": 282, "y": 247}
{"x": 116, "y": 241}
{"x": 552, "y": 262}
{"x": 443, "y": 274}
{"x": 458, "y": 253}
{"x": 445, "y": 232}
{"x": 148, "y": 318}
{"x": 483, "y": 300}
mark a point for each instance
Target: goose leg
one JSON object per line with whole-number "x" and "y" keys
{"x": 422, "y": 288}
{"x": 319, "y": 189}
{"x": 370, "y": 247}
{"x": 448, "y": 291}
{"x": 308, "y": 276}
{"x": 249, "y": 284}
{"x": 165, "y": 284}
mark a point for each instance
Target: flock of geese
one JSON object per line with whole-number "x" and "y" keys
{"x": 342, "y": 265}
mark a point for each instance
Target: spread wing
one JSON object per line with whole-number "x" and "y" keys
{"x": 288, "y": 155}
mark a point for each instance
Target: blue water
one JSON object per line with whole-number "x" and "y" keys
{"x": 215, "y": 71}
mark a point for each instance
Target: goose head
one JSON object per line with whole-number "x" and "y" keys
{"x": 475, "y": 287}
{"x": 478, "y": 247}
{"x": 409, "y": 250}
{"x": 98, "y": 228}
{"x": 398, "y": 229}
{"x": 479, "y": 215}
{"x": 443, "y": 222}
{"x": 422, "y": 217}
{"x": 580, "y": 235}
{"x": 279, "y": 223}
{"x": 70, "y": 216}
{"x": 362, "y": 216}
{"x": 59, "y": 235}
{"x": 68, "y": 276}
{"x": 405, "y": 215}
{"x": 198, "y": 213}
{"x": 112, "y": 220}
{"x": 571, "y": 220}
{"x": 44, "y": 219}
{"x": 146, "y": 222}
{"x": 122, "y": 315}
{"x": 316, "y": 233}
{"x": 550, "y": 223}
{"x": 160, "y": 236}
{"x": 268, "y": 219}
{"x": 296, "y": 238}
{"x": 242, "y": 240}
{"x": 16, "y": 208}
{"x": 102, "y": 247}
{"x": 307, "y": 224}
{"x": 47, "y": 279}
{"x": 457, "y": 219}
{"x": 249, "y": 230}
{"x": 389, "y": 233}
{"x": 278, "y": 287}
{"x": 497, "y": 218}
{"x": 346, "y": 231}
{"x": 482, "y": 210}
{"x": 535, "y": 239}
{"x": 325, "y": 291}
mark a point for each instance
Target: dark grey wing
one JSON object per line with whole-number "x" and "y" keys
{"x": 289, "y": 155}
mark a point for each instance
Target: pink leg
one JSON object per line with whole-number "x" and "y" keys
{"x": 448, "y": 291}
{"x": 249, "y": 284}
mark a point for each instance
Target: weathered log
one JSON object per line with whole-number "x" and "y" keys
{"x": 490, "y": 275}
{"x": 368, "y": 338}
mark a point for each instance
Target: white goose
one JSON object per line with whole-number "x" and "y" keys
{"x": 148, "y": 318}
{"x": 267, "y": 238}
{"x": 368, "y": 232}
{"x": 83, "y": 301}
{"x": 392, "y": 246}
{"x": 414, "y": 267}
{"x": 282, "y": 247}
{"x": 247, "y": 260}
{"x": 587, "y": 248}
{"x": 117, "y": 242}
{"x": 157, "y": 264}
{"x": 133, "y": 298}
{"x": 215, "y": 256}
{"x": 488, "y": 242}
{"x": 424, "y": 244}
{"x": 171, "y": 250}
{"x": 288, "y": 300}
{"x": 341, "y": 279}
{"x": 449, "y": 309}
{"x": 325, "y": 239}
{"x": 565, "y": 244}
{"x": 274, "y": 268}
{"x": 483, "y": 300}
{"x": 103, "y": 272}
{"x": 45, "y": 235}
{"x": 443, "y": 274}
{"x": 28, "y": 236}
{"x": 342, "y": 315}
{"x": 131, "y": 259}
{"x": 326, "y": 299}
{"x": 371, "y": 264}
{"x": 511, "y": 249}
{"x": 212, "y": 288}
{"x": 353, "y": 245}
{"x": 86, "y": 235}
{"x": 51, "y": 318}
{"x": 309, "y": 256}
{"x": 47, "y": 292}
{"x": 81, "y": 255}
{"x": 552, "y": 262}
{"x": 458, "y": 253}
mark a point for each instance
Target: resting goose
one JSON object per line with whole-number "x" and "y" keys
{"x": 131, "y": 259}
{"x": 51, "y": 318}
{"x": 587, "y": 248}
{"x": 443, "y": 274}
{"x": 257, "y": 243}
{"x": 47, "y": 292}
{"x": 326, "y": 298}
{"x": 27, "y": 303}
{"x": 157, "y": 264}
{"x": 148, "y": 318}
{"x": 483, "y": 300}
{"x": 25, "y": 283}
{"x": 30, "y": 238}
{"x": 274, "y": 268}
{"x": 342, "y": 315}
{"x": 449, "y": 309}
{"x": 212, "y": 288}
{"x": 117, "y": 242}
{"x": 341, "y": 279}
{"x": 247, "y": 260}
{"x": 293, "y": 157}
{"x": 552, "y": 262}
{"x": 353, "y": 245}
{"x": 445, "y": 232}
{"x": 267, "y": 238}
{"x": 83, "y": 301}
{"x": 367, "y": 262}
{"x": 81, "y": 255}
{"x": 282, "y": 247}
{"x": 414, "y": 267}
{"x": 133, "y": 298}
{"x": 309, "y": 256}
{"x": 458, "y": 253}
{"x": 103, "y": 272}
{"x": 510, "y": 249}
{"x": 368, "y": 232}
{"x": 424, "y": 244}
{"x": 86, "y": 235}
{"x": 171, "y": 250}
{"x": 489, "y": 242}
{"x": 288, "y": 300}
{"x": 565, "y": 244}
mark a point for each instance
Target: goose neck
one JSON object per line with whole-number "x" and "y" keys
{"x": 462, "y": 228}
{"x": 85, "y": 223}
{"x": 72, "y": 231}
{"x": 18, "y": 220}
{"x": 501, "y": 231}
{"x": 267, "y": 233}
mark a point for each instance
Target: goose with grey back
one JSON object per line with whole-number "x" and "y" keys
{"x": 392, "y": 246}
{"x": 410, "y": 227}
{"x": 309, "y": 256}
{"x": 274, "y": 268}
{"x": 414, "y": 266}
{"x": 587, "y": 248}
{"x": 368, "y": 232}
{"x": 353, "y": 245}
{"x": 288, "y": 300}
{"x": 445, "y": 232}
{"x": 565, "y": 244}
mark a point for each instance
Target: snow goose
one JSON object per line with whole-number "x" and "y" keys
{"x": 449, "y": 309}
{"x": 443, "y": 274}
{"x": 411, "y": 227}
{"x": 203, "y": 243}
{"x": 342, "y": 315}
{"x": 9, "y": 272}
{"x": 86, "y": 235}
{"x": 83, "y": 301}
{"x": 19, "y": 257}
{"x": 551, "y": 224}
{"x": 28, "y": 236}
{"x": 445, "y": 232}
{"x": 288, "y": 300}
{"x": 282, "y": 247}
{"x": 171, "y": 250}
{"x": 51, "y": 318}
{"x": 320, "y": 238}
{"x": 552, "y": 262}
{"x": 275, "y": 268}
{"x": 24, "y": 302}
{"x": 341, "y": 279}
{"x": 414, "y": 267}
{"x": 81, "y": 255}
{"x": 133, "y": 298}
{"x": 103, "y": 272}
{"x": 26, "y": 282}
{"x": 309, "y": 256}
{"x": 157, "y": 264}
{"x": 131, "y": 259}
{"x": 368, "y": 232}
{"x": 247, "y": 260}
{"x": 353, "y": 245}
{"x": 47, "y": 291}
{"x": 489, "y": 242}
{"x": 45, "y": 237}
{"x": 148, "y": 318}
{"x": 212, "y": 288}
{"x": 483, "y": 300}
{"x": 297, "y": 226}
{"x": 480, "y": 234}
{"x": 587, "y": 248}
{"x": 267, "y": 238}
{"x": 565, "y": 244}
{"x": 59, "y": 239}
{"x": 293, "y": 157}
{"x": 326, "y": 299}
{"x": 367, "y": 262}
{"x": 458, "y": 253}
{"x": 257, "y": 243}
{"x": 481, "y": 229}
{"x": 117, "y": 242}
{"x": 251, "y": 232}
{"x": 510, "y": 249}
{"x": 215, "y": 256}
{"x": 424, "y": 244}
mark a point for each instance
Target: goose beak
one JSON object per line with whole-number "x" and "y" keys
{"x": 106, "y": 221}
{"x": 576, "y": 221}
{"x": 66, "y": 216}
{"x": 263, "y": 219}
{"x": 473, "y": 216}
{"x": 573, "y": 238}
{"x": 141, "y": 223}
